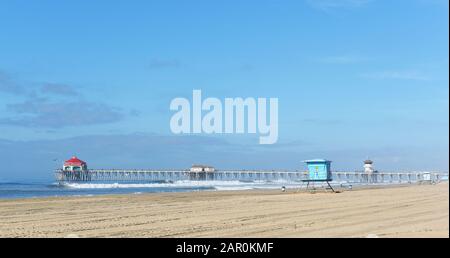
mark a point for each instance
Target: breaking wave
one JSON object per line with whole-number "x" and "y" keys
{"x": 186, "y": 184}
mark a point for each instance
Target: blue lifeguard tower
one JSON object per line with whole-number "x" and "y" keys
{"x": 319, "y": 170}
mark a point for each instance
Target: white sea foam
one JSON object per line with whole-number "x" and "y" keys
{"x": 211, "y": 185}
{"x": 219, "y": 185}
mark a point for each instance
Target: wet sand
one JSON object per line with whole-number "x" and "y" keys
{"x": 407, "y": 211}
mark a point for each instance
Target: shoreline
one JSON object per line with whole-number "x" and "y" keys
{"x": 386, "y": 211}
{"x": 289, "y": 188}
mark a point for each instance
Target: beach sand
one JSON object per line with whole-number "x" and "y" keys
{"x": 407, "y": 211}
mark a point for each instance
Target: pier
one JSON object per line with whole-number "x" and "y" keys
{"x": 96, "y": 175}
{"x": 118, "y": 175}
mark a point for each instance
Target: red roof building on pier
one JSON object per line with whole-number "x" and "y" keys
{"x": 74, "y": 164}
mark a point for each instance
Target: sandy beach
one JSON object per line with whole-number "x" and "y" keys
{"x": 406, "y": 211}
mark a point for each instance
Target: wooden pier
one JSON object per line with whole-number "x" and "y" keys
{"x": 96, "y": 175}
{"x": 117, "y": 175}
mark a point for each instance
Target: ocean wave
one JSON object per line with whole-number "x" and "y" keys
{"x": 219, "y": 185}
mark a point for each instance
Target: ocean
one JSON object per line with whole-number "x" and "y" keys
{"x": 13, "y": 190}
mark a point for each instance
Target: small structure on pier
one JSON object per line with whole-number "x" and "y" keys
{"x": 74, "y": 164}
{"x": 368, "y": 166}
{"x": 202, "y": 168}
{"x": 201, "y": 172}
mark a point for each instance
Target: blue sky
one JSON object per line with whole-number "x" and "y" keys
{"x": 354, "y": 78}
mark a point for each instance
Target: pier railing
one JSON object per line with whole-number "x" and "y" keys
{"x": 117, "y": 175}
{"x": 388, "y": 177}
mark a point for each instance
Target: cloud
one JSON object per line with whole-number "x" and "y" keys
{"x": 156, "y": 151}
{"x": 11, "y": 86}
{"x": 139, "y": 150}
{"x": 247, "y": 67}
{"x": 8, "y": 85}
{"x": 343, "y": 59}
{"x": 59, "y": 89}
{"x": 397, "y": 75}
{"x": 435, "y": 2}
{"x": 40, "y": 112}
{"x": 322, "y": 121}
{"x": 164, "y": 63}
{"x": 327, "y": 5}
